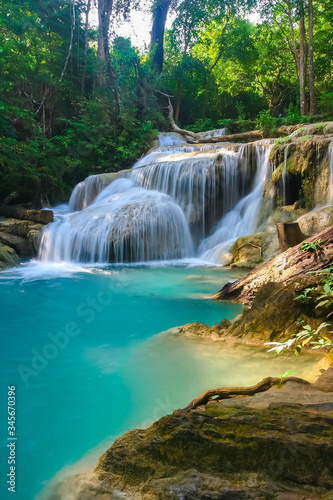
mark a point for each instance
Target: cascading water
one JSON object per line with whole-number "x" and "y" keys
{"x": 330, "y": 180}
{"x": 284, "y": 174}
{"x": 163, "y": 210}
{"x": 242, "y": 219}
{"x": 85, "y": 192}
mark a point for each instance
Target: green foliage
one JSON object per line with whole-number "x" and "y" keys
{"x": 305, "y": 296}
{"x": 311, "y": 246}
{"x": 285, "y": 375}
{"x": 305, "y": 336}
{"x": 267, "y": 123}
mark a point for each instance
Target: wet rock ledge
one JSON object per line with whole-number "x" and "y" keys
{"x": 274, "y": 445}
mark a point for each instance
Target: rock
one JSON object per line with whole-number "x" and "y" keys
{"x": 273, "y": 316}
{"x": 22, "y": 235}
{"x": 306, "y": 171}
{"x": 274, "y": 445}
{"x": 16, "y": 226}
{"x": 249, "y": 251}
{"x": 8, "y": 257}
{"x": 33, "y": 237}
{"x": 19, "y": 244}
{"x": 316, "y": 221}
{"x": 325, "y": 381}
{"x": 287, "y": 213}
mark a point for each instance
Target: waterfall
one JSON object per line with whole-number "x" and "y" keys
{"x": 85, "y": 192}
{"x": 242, "y": 219}
{"x": 330, "y": 179}
{"x": 284, "y": 172}
{"x": 131, "y": 225}
{"x": 163, "y": 209}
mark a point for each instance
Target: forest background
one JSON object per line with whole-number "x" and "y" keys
{"x": 78, "y": 99}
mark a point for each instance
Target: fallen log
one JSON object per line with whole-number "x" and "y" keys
{"x": 227, "y": 392}
{"x": 252, "y": 135}
{"x": 282, "y": 269}
{"x": 19, "y": 212}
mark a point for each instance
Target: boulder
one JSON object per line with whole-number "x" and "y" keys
{"x": 274, "y": 315}
{"x": 22, "y": 235}
{"x": 274, "y": 445}
{"x": 249, "y": 251}
{"x": 19, "y": 244}
{"x": 316, "y": 221}
{"x": 8, "y": 257}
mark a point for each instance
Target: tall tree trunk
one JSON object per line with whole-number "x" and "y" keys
{"x": 160, "y": 12}
{"x": 311, "y": 69}
{"x": 295, "y": 51}
{"x": 105, "y": 69}
{"x": 179, "y": 98}
{"x": 302, "y": 62}
{"x": 84, "y": 70}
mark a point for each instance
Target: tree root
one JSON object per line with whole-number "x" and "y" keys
{"x": 226, "y": 392}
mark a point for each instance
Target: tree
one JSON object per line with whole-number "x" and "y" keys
{"x": 105, "y": 68}
{"x": 160, "y": 10}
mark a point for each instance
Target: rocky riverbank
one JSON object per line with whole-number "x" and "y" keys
{"x": 275, "y": 445}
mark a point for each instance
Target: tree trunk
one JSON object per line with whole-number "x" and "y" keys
{"x": 302, "y": 63}
{"x": 105, "y": 68}
{"x": 295, "y": 52}
{"x": 84, "y": 69}
{"x": 179, "y": 96}
{"x": 311, "y": 69}
{"x": 282, "y": 269}
{"x": 18, "y": 212}
{"x": 160, "y": 12}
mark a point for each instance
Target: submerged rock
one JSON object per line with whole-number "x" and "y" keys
{"x": 8, "y": 257}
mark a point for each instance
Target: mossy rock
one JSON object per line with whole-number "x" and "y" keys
{"x": 255, "y": 447}
{"x": 8, "y": 257}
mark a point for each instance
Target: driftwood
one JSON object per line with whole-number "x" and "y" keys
{"x": 252, "y": 135}
{"x": 282, "y": 269}
{"x": 227, "y": 392}
{"x": 19, "y": 212}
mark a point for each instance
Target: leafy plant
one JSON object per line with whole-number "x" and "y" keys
{"x": 302, "y": 338}
{"x": 285, "y": 375}
{"x": 311, "y": 246}
{"x": 267, "y": 123}
{"x": 304, "y": 297}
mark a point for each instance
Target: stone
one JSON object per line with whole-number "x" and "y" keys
{"x": 325, "y": 381}
{"x": 316, "y": 221}
{"x": 249, "y": 251}
{"x": 274, "y": 315}
{"x": 8, "y": 257}
{"x": 22, "y": 235}
{"x": 274, "y": 445}
{"x": 19, "y": 244}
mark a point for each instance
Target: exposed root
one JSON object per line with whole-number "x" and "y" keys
{"x": 226, "y": 392}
